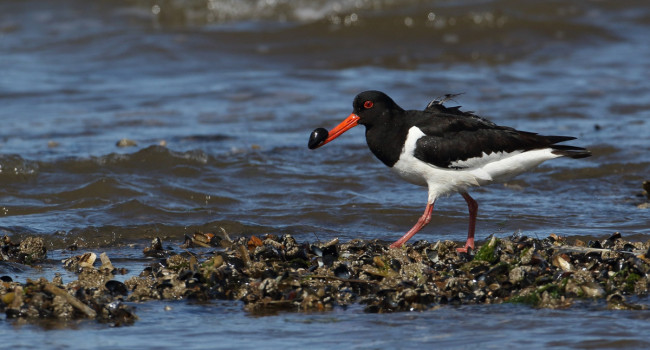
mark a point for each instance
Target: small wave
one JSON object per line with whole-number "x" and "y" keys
{"x": 104, "y": 188}
{"x": 200, "y": 12}
{"x": 89, "y": 237}
{"x": 604, "y": 172}
{"x": 466, "y": 31}
{"x": 14, "y": 168}
{"x": 350, "y": 12}
{"x": 152, "y": 158}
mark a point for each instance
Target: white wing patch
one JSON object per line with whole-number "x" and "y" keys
{"x": 517, "y": 163}
{"x": 477, "y": 162}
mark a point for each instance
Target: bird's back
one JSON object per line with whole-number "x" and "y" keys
{"x": 452, "y": 136}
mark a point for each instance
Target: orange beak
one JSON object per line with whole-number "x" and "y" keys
{"x": 350, "y": 122}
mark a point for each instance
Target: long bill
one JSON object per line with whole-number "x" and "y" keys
{"x": 350, "y": 122}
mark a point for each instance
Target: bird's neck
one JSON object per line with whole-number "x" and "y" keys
{"x": 386, "y": 139}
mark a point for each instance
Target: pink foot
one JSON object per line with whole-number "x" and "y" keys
{"x": 422, "y": 221}
{"x": 468, "y": 245}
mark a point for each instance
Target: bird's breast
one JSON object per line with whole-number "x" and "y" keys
{"x": 441, "y": 181}
{"x": 407, "y": 166}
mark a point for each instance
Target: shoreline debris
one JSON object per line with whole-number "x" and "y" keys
{"x": 274, "y": 273}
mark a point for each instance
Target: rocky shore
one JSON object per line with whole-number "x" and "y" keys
{"x": 276, "y": 273}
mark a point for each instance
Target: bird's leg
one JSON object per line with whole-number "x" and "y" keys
{"x": 473, "y": 209}
{"x": 422, "y": 221}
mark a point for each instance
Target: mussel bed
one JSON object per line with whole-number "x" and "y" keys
{"x": 274, "y": 273}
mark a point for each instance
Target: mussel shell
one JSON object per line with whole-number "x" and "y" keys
{"x": 342, "y": 271}
{"x": 316, "y": 250}
{"x": 628, "y": 247}
{"x": 317, "y": 137}
{"x": 116, "y": 287}
{"x": 395, "y": 265}
{"x": 594, "y": 244}
{"x": 6, "y": 279}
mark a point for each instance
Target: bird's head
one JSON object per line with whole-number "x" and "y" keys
{"x": 368, "y": 107}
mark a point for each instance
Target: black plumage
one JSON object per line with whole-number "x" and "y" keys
{"x": 450, "y": 135}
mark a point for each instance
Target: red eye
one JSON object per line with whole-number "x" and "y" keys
{"x": 368, "y": 104}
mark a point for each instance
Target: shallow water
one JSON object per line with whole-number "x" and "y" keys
{"x": 222, "y": 325}
{"x": 233, "y": 89}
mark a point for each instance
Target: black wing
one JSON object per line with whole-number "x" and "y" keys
{"x": 453, "y": 137}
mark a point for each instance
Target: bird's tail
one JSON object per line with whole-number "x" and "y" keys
{"x": 565, "y": 150}
{"x": 571, "y": 151}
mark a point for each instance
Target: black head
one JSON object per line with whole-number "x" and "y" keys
{"x": 372, "y": 105}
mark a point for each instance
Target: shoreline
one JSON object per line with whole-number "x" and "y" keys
{"x": 276, "y": 274}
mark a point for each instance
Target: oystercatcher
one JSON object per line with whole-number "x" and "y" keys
{"x": 446, "y": 149}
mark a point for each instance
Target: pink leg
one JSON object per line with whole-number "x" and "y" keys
{"x": 422, "y": 221}
{"x": 473, "y": 209}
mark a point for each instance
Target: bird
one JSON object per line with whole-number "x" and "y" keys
{"x": 445, "y": 149}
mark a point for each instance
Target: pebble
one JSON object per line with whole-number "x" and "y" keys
{"x": 126, "y": 143}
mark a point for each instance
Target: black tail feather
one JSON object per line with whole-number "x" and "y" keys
{"x": 571, "y": 151}
{"x": 557, "y": 139}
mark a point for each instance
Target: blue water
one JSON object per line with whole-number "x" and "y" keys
{"x": 222, "y": 325}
